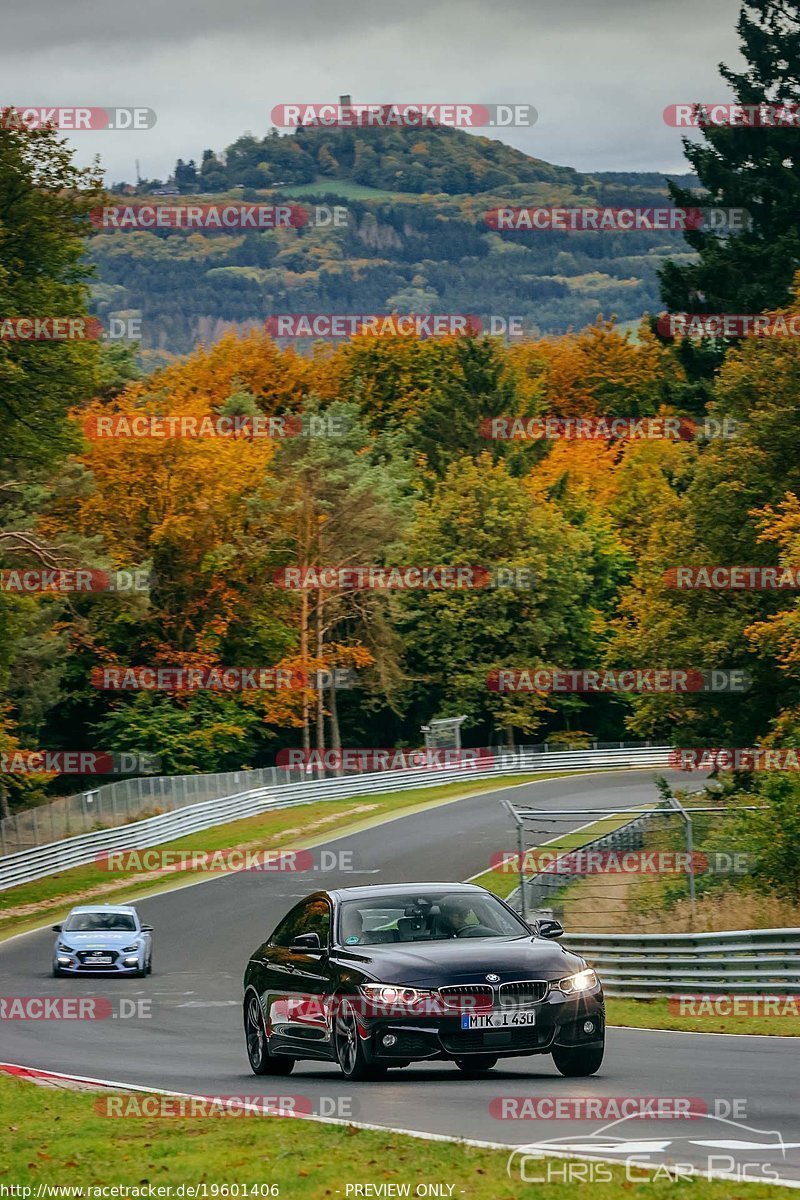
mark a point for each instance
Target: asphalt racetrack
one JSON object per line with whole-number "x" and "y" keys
{"x": 193, "y": 1043}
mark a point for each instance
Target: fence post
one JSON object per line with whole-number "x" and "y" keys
{"x": 676, "y": 804}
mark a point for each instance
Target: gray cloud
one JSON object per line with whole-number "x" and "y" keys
{"x": 600, "y": 75}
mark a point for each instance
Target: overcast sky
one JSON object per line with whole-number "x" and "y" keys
{"x": 599, "y": 72}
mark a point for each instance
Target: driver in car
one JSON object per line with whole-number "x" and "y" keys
{"x": 454, "y": 914}
{"x": 457, "y": 919}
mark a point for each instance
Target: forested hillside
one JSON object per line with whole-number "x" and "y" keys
{"x": 415, "y": 239}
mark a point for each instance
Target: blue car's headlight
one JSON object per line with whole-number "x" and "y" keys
{"x": 130, "y": 949}
{"x": 582, "y": 982}
{"x": 64, "y": 946}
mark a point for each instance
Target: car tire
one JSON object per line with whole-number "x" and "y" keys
{"x": 578, "y": 1060}
{"x": 56, "y": 973}
{"x": 349, "y": 1047}
{"x": 476, "y": 1065}
{"x": 149, "y": 969}
{"x": 261, "y": 1061}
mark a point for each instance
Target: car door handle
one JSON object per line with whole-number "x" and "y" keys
{"x": 290, "y": 967}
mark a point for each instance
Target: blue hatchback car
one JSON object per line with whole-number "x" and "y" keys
{"x": 103, "y": 938}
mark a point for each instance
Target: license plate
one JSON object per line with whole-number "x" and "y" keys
{"x": 101, "y": 958}
{"x": 498, "y": 1020}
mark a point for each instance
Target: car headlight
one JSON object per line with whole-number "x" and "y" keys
{"x": 64, "y": 946}
{"x": 582, "y": 982}
{"x": 130, "y": 949}
{"x": 387, "y": 993}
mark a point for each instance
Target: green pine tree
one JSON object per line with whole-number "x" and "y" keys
{"x": 755, "y": 168}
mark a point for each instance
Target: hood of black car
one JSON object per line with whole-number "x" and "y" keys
{"x": 463, "y": 960}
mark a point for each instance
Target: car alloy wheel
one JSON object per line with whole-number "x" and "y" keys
{"x": 261, "y": 1061}
{"x": 349, "y": 1047}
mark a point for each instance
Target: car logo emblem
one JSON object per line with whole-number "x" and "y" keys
{"x": 492, "y": 978}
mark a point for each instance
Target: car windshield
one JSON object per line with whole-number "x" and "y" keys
{"x": 100, "y": 922}
{"x": 425, "y": 917}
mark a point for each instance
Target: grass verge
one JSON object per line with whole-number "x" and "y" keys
{"x": 656, "y": 1014}
{"x": 346, "y": 188}
{"x": 31, "y": 904}
{"x": 60, "y": 1138}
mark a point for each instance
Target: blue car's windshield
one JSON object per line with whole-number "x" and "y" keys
{"x": 429, "y": 916}
{"x": 100, "y": 922}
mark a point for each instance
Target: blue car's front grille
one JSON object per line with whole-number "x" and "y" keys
{"x": 97, "y": 958}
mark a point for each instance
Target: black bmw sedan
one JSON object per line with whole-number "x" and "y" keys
{"x": 377, "y": 977}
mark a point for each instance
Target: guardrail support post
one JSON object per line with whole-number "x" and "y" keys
{"x": 676, "y": 804}
{"x": 521, "y": 852}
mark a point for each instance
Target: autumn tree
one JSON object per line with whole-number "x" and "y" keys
{"x": 341, "y": 502}
{"x": 479, "y": 515}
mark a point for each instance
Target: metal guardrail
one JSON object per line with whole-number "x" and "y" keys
{"x": 740, "y": 961}
{"x": 39, "y": 861}
{"x": 126, "y": 800}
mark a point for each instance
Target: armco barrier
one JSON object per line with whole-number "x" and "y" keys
{"x": 40, "y": 861}
{"x": 741, "y": 961}
{"x": 111, "y": 804}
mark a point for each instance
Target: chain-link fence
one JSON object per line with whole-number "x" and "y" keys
{"x": 127, "y": 800}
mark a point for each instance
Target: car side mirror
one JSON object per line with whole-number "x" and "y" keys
{"x": 548, "y": 928}
{"x": 147, "y": 928}
{"x": 306, "y": 941}
{"x": 56, "y": 929}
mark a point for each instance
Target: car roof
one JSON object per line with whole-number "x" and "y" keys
{"x": 365, "y": 891}
{"x": 110, "y": 908}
